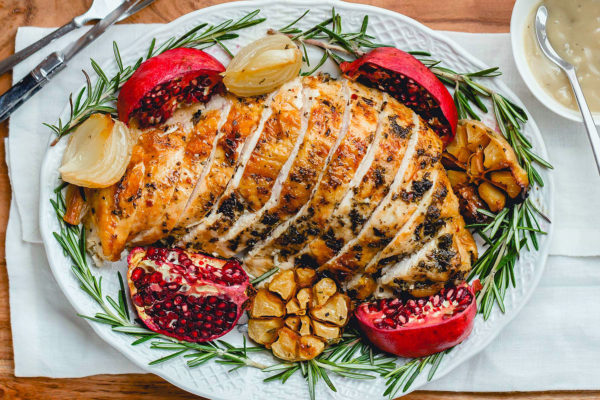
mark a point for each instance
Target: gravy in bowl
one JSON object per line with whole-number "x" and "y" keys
{"x": 574, "y": 30}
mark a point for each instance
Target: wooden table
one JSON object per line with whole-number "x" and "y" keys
{"x": 460, "y": 15}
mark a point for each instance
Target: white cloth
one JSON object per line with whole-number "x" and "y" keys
{"x": 553, "y": 344}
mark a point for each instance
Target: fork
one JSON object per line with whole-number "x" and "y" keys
{"x": 98, "y": 10}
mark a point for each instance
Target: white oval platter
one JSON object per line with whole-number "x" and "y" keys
{"x": 212, "y": 380}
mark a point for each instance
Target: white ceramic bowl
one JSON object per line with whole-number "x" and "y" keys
{"x": 522, "y": 11}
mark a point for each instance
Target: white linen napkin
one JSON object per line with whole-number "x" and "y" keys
{"x": 553, "y": 344}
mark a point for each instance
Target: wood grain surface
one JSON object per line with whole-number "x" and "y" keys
{"x": 460, "y": 15}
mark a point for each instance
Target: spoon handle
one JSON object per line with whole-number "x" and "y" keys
{"x": 588, "y": 120}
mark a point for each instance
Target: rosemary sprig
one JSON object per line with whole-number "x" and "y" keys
{"x": 264, "y": 276}
{"x": 509, "y": 231}
{"x": 350, "y": 358}
{"x": 506, "y": 234}
{"x": 100, "y": 97}
{"x": 329, "y": 37}
{"x": 401, "y": 378}
{"x": 115, "y": 313}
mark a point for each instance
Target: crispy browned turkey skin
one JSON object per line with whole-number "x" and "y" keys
{"x": 322, "y": 173}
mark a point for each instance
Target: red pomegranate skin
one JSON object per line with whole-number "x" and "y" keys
{"x": 402, "y": 64}
{"x": 419, "y": 339}
{"x": 187, "y": 296}
{"x": 176, "y": 65}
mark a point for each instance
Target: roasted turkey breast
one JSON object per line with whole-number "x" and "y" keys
{"x": 323, "y": 173}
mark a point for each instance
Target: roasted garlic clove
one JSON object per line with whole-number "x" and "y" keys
{"x": 506, "y": 181}
{"x": 458, "y": 147}
{"x": 493, "y": 197}
{"x": 304, "y": 298}
{"x": 457, "y": 178}
{"x": 284, "y": 284}
{"x": 293, "y": 323}
{"x": 335, "y": 311}
{"x": 310, "y": 347}
{"x": 325, "y": 331}
{"x": 267, "y": 304}
{"x": 264, "y": 331}
{"x": 323, "y": 290}
{"x": 292, "y": 307}
{"x": 305, "y": 277}
{"x": 287, "y": 345}
{"x": 304, "y": 325}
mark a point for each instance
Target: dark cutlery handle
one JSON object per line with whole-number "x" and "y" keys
{"x": 30, "y": 84}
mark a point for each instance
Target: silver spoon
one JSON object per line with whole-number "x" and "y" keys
{"x": 541, "y": 17}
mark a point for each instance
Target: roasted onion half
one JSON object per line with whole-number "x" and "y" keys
{"x": 98, "y": 152}
{"x": 262, "y": 66}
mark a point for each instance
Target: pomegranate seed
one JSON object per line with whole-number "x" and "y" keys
{"x": 138, "y": 300}
{"x": 148, "y": 300}
{"x": 389, "y": 311}
{"x": 156, "y": 277}
{"x": 136, "y": 274}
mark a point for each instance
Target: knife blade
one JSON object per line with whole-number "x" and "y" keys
{"x": 55, "y": 62}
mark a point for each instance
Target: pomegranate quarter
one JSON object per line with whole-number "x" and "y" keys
{"x": 163, "y": 82}
{"x": 420, "y": 327}
{"x": 187, "y": 296}
{"x": 410, "y": 82}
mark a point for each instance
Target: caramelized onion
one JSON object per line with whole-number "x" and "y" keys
{"x": 98, "y": 152}
{"x": 263, "y": 66}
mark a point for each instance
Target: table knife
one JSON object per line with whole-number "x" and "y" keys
{"x": 55, "y": 62}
